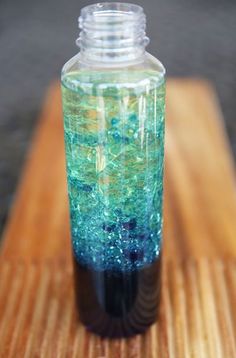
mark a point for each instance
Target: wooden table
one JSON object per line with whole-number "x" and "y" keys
{"x": 198, "y": 316}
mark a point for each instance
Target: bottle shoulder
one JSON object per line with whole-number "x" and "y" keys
{"x": 152, "y": 63}
{"x": 148, "y": 62}
{"x": 147, "y": 72}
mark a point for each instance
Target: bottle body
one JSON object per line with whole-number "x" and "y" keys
{"x": 114, "y": 141}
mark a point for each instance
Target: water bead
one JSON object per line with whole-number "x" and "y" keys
{"x": 86, "y": 187}
{"x": 116, "y": 136}
{"x": 133, "y": 117}
{"x": 125, "y": 140}
{"x": 129, "y": 225}
{"x": 114, "y": 121}
{"x": 108, "y": 228}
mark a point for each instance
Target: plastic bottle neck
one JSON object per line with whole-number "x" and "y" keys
{"x": 112, "y": 33}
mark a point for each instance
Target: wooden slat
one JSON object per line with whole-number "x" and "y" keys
{"x": 52, "y": 330}
{"x": 200, "y": 192}
{"x": 38, "y": 227}
{"x": 200, "y": 173}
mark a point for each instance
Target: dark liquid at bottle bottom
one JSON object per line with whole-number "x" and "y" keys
{"x": 115, "y": 303}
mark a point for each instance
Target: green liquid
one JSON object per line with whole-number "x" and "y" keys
{"x": 114, "y": 134}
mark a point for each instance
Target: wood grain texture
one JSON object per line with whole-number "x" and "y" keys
{"x": 37, "y": 318}
{"x": 197, "y": 316}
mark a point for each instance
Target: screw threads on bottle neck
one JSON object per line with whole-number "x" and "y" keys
{"x": 112, "y": 32}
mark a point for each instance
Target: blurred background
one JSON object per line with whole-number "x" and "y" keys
{"x": 192, "y": 38}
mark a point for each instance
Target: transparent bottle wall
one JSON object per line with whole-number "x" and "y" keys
{"x": 114, "y": 132}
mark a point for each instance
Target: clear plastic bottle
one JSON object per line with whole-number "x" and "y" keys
{"x": 114, "y": 104}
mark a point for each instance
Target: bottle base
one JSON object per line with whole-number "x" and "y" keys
{"x": 117, "y": 304}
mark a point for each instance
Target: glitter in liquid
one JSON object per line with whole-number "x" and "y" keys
{"x": 114, "y": 133}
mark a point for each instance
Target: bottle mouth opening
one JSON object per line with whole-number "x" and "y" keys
{"x": 112, "y": 16}
{"x": 115, "y": 10}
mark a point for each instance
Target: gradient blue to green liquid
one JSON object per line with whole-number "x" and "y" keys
{"x": 114, "y": 133}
